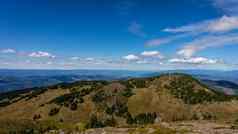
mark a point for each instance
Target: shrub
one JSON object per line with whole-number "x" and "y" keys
{"x": 127, "y": 84}
{"x": 95, "y": 123}
{"x": 19, "y": 127}
{"x": 120, "y": 109}
{"x": 54, "y": 111}
{"x": 110, "y": 122}
{"x": 127, "y": 92}
{"x": 184, "y": 88}
{"x": 36, "y": 92}
{"x": 46, "y": 125}
{"x": 208, "y": 116}
{"x": 80, "y": 127}
{"x": 36, "y": 117}
{"x": 99, "y": 96}
{"x": 144, "y": 118}
{"x": 73, "y": 106}
{"x": 138, "y": 83}
{"x": 109, "y": 110}
{"x": 5, "y": 103}
{"x": 71, "y": 100}
{"x": 129, "y": 119}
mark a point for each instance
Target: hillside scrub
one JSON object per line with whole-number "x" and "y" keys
{"x": 132, "y": 102}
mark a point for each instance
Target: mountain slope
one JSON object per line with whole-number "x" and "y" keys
{"x": 224, "y": 86}
{"x": 92, "y": 104}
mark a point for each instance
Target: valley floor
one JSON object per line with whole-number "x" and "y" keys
{"x": 190, "y": 127}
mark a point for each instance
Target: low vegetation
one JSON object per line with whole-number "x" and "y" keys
{"x": 183, "y": 88}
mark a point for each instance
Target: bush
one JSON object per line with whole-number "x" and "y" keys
{"x": 19, "y": 127}
{"x": 80, "y": 127}
{"x": 46, "y": 125}
{"x": 184, "y": 88}
{"x": 36, "y": 92}
{"x": 144, "y": 118}
{"x": 110, "y": 122}
{"x": 99, "y": 97}
{"x": 138, "y": 83}
{"x": 109, "y": 110}
{"x": 120, "y": 109}
{"x": 54, "y": 111}
{"x": 36, "y": 117}
{"x": 127, "y": 92}
{"x": 73, "y": 106}
{"x": 129, "y": 119}
{"x": 5, "y": 103}
{"x": 95, "y": 123}
{"x": 71, "y": 100}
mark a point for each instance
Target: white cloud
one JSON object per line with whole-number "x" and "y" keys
{"x": 229, "y": 7}
{"x": 158, "y": 41}
{"x": 187, "y": 28}
{"x": 194, "y": 60}
{"x": 154, "y": 54}
{"x": 189, "y": 50}
{"x": 223, "y": 24}
{"x": 8, "y": 50}
{"x": 131, "y": 57}
{"x": 141, "y": 62}
{"x": 41, "y": 54}
{"x": 49, "y": 63}
{"x": 27, "y": 61}
{"x": 75, "y": 58}
{"x": 207, "y": 42}
{"x": 136, "y": 29}
{"x": 166, "y": 40}
{"x": 89, "y": 59}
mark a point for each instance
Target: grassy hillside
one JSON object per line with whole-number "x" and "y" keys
{"x": 94, "y": 104}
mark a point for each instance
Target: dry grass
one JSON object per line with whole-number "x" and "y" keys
{"x": 27, "y": 109}
{"x": 222, "y": 111}
{"x": 161, "y": 102}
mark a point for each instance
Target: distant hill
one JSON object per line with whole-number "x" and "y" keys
{"x": 11, "y": 80}
{"x": 207, "y": 74}
{"x": 223, "y": 86}
{"x": 94, "y": 104}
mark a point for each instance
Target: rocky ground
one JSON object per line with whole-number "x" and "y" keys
{"x": 166, "y": 128}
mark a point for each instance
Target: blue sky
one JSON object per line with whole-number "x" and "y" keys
{"x": 119, "y": 34}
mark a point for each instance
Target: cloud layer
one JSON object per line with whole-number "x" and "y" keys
{"x": 229, "y": 7}
{"x": 206, "y": 42}
{"x": 40, "y": 54}
{"x": 136, "y": 29}
{"x": 223, "y": 24}
{"x": 194, "y": 60}
{"x": 153, "y": 54}
{"x": 8, "y": 50}
{"x": 131, "y": 57}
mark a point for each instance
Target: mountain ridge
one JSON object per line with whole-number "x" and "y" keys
{"x": 136, "y": 101}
